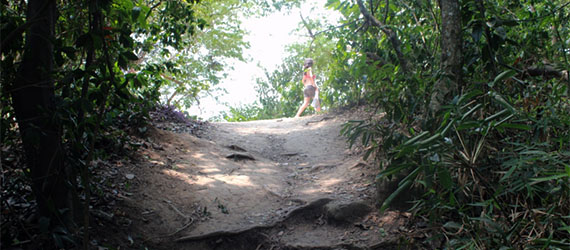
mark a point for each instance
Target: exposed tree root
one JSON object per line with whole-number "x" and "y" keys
{"x": 317, "y": 204}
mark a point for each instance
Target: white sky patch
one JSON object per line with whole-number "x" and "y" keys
{"x": 268, "y": 37}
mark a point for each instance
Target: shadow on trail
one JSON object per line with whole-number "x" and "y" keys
{"x": 301, "y": 191}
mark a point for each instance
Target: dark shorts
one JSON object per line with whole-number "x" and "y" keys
{"x": 309, "y": 91}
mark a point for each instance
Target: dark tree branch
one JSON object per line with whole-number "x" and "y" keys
{"x": 396, "y": 44}
{"x": 375, "y": 58}
{"x": 152, "y": 8}
{"x": 307, "y": 26}
{"x": 336, "y": 27}
{"x": 175, "y": 91}
{"x": 428, "y": 3}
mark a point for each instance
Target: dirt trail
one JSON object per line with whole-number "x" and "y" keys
{"x": 274, "y": 184}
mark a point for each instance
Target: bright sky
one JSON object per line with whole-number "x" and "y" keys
{"x": 268, "y": 37}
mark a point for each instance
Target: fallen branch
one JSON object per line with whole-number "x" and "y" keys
{"x": 176, "y": 209}
{"x": 189, "y": 221}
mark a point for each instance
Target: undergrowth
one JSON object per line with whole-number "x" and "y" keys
{"x": 121, "y": 134}
{"x": 494, "y": 169}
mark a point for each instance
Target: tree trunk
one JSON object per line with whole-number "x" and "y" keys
{"x": 451, "y": 57}
{"x": 34, "y": 105}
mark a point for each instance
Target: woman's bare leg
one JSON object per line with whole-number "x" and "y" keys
{"x": 303, "y": 107}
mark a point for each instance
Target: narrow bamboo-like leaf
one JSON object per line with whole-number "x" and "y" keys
{"x": 430, "y": 139}
{"x": 548, "y": 178}
{"x": 452, "y": 225}
{"x": 468, "y": 125}
{"x": 509, "y": 173}
{"x": 411, "y": 176}
{"x": 496, "y": 115}
{"x": 514, "y": 126}
{"x": 533, "y": 152}
{"x": 471, "y": 111}
{"x": 416, "y": 138}
{"x": 553, "y": 242}
{"x": 444, "y": 131}
{"x": 394, "y": 194}
{"x": 468, "y": 96}
{"x": 478, "y": 149}
{"x": 461, "y": 140}
{"x": 502, "y": 101}
{"x": 452, "y": 199}
{"x": 391, "y": 170}
{"x": 504, "y": 120}
{"x": 478, "y": 204}
{"x": 502, "y": 76}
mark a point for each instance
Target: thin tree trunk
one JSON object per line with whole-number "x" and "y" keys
{"x": 34, "y": 105}
{"x": 451, "y": 57}
{"x": 396, "y": 43}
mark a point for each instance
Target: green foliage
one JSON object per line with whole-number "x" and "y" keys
{"x": 486, "y": 169}
{"x": 241, "y": 114}
{"x": 110, "y": 60}
{"x": 197, "y": 64}
{"x": 493, "y": 163}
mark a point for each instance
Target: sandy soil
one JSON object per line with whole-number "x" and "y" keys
{"x": 288, "y": 183}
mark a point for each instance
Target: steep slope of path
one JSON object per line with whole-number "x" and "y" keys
{"x": 273, "y": 184}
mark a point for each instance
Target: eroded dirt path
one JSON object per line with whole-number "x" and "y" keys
{"x": 274, "y": 184}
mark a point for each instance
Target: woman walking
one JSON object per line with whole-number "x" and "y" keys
{"x": 310, "y": 86}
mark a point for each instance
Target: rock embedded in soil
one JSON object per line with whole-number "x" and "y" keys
{"x": 346, "y": 212}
